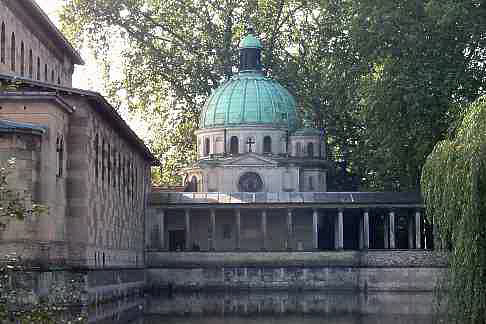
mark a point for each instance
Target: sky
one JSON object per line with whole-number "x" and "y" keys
{"x": 88, "y": 76}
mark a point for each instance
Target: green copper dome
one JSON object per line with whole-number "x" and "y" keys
{"x": 250, "y": 41}
{"x": 248, "y": 99}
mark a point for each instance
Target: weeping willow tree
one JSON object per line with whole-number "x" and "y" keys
{"x": 454, "y": 188}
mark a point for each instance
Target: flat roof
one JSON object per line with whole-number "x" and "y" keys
{"x": 285, "y": 199}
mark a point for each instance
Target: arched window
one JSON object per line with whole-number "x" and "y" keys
{"x": 119, "y": 172}
{"x": 207, "y": 146}
{"x": 310, "y": 150}
{"x": 2, "y": 44}
{"x": 13, "y": 52}
{"x": 31, "y": 63}
{"x": 114, "y": 168}
{"x": 109, "y": 164}
{"x": 298, "y": 149}
{"x": 267, "y": 144}
{"x": 234, "y": 145}
{"x": 103, "y": 157}
{"x": 58, "y": 80}
{"x": 52, "y": 76}
{"x": 38, "y": 68}
{"x": 22, "y": 59}
{"x": 96, "y": 149}
{"x": 45, "y": 73}
{"x": 60, "y": 155}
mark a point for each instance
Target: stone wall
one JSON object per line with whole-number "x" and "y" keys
{"x": 368, "y": 271}
{"x": 77, "y": 287}
{"x": 107, "y": 191}
{"x": 29, "y": 32}
{"x": 38, "y": 173}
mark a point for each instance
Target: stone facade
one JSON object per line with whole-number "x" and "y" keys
{"x": 284, "y": 163}
{"x": 365, "y": 271}
{"x": 95, "y": 189}
{"x": 32, "y": 47}
{"x": 109, "y": 183}
{"x": 86, "y": 165}
{"x": 39, "y": 166}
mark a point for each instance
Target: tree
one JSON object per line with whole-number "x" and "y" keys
{"x": 423, "y": 59}
{"x": 176, "y": 53}
{"x": 454, "y": 188}
{"x": 385, "y": 79}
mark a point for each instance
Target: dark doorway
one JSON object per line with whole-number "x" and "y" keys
{"x": 351, "y": 229}
{"x": 234, "y": 145}
{"x": 267, "y": 144}
{"x": 177, "y": 240}
{"x": 377, "y": 228}
{"x": 326, "y": 233}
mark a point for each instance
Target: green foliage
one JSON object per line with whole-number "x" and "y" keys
{"x": 454, "y": 188}
{"x": 13, "y": 204}
{"x": 423, "y": 58}
{"x": 175, "y": 52}
{"x": 384, "y": 78}
{"x": 19, "y": 304}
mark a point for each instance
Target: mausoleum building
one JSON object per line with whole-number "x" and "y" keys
{"x": 260, "y": 182}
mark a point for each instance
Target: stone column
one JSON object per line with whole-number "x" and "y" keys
{"x": 212, "y": 229}
{"x": 418, "y": 237}
{"x": 187, "y": 214}
{"x": 366, "y": 229}
{"x": 315, "y": 229}
{"x": 264, "y": 229}
{"x": 162, "y": 229}
{"x": 411, "y": 232}
{"x": 290, "y": 234}
{"x": 340, "y": 230}
{"x": 391, "y": 225}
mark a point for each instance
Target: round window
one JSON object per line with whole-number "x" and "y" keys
{"x": 250, "y": 182}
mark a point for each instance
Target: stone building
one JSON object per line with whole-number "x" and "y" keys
{"x": 260, "y": 182}
{"x": 32, "y": 47}
{"x": 73, "y": 152}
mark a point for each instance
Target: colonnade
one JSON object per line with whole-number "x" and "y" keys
{"x": 414, "y": 229}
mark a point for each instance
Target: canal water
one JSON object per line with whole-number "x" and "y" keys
{"x": 272, "y": 308}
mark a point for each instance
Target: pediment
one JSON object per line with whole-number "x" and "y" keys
{"x": 252, "y": 159}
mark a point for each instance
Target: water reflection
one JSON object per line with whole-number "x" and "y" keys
{"x": 273, "y": 308}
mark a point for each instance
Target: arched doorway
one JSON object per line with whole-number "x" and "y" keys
{"x": 234, "y": 145}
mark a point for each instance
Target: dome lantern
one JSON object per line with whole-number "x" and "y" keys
{"x": 250, "y": 53}
{"x": 249, "y": 98}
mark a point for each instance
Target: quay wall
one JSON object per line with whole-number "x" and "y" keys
{"x": 390, "y": 270}
{"x": 78, "y": 286}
